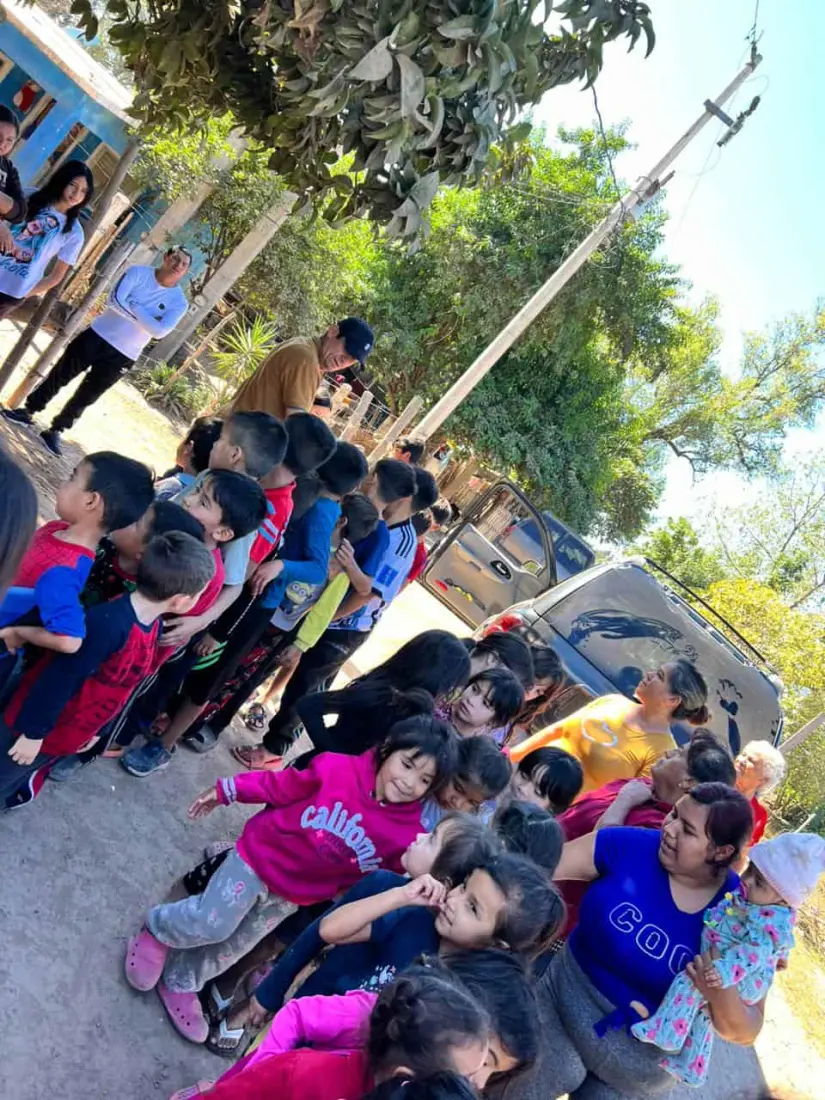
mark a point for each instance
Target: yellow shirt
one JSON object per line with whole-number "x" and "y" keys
{"x": 288, "y": 378}
{"x": 603, "y": 738}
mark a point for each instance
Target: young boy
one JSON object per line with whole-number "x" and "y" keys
{"x": 105, "y": 492}
{"x": 191, "y": 458}
{"x": 304, "y": 544}
{"x": 63, "y": 702}
{"x": 408, "y": 450}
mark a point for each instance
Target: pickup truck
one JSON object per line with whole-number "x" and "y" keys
{"x": 608, "y": 623}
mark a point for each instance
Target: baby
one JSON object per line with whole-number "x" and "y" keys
{"x": 752, "y": 929}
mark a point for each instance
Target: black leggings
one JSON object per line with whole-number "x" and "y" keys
{"x": 88, "y": 350}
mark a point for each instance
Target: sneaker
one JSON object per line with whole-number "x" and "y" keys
{"x": 67, "y": 767}
{"x": 52, "y": 440}
{"x": 18, "y": 416}
{"x": 151, "y": 757}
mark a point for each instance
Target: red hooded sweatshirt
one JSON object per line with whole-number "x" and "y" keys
{"x": 299, "y": 1075}
{"x": 322, "y": 828}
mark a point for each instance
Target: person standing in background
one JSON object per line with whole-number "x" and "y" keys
{"x": 288, "y": 380}
{"x": 145, "y": 304}
{"x": 12, "y": 199}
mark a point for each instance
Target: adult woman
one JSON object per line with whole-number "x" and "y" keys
{"x": 430, "y": 666}
{"x": 619, "y": 738}
{"x": 759, "y": 768}
{"x": 641, "y": 922}
{"x": 18, "y": 516}
{"x": 643, "y": 803}
{"x": 51, "y": 232}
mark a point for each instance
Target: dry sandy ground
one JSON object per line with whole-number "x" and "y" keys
{"x": 81, "y": 866}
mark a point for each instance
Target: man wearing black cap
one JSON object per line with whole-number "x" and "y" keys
{"x": 287, "y": 381}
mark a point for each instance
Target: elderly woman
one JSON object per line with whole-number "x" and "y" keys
{"x": 619, "y": 738}
{"x": 641, "y": 923}
{"x": 759, "y": 768}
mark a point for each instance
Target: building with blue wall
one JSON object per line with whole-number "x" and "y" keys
{"x": 70, "y": 106}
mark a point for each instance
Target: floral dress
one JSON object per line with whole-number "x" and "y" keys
{"x": 752, "y": 939}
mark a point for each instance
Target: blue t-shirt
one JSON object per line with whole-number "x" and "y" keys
{"x": 305, "y": 550}
{"x": 631, "y": 940}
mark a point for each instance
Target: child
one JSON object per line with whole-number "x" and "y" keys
{"x": 18, "y": 516}
{"x": 530, "y": 831}
{"x": 423, "y": 1023}
{"x": 487, "y": 705}
{"x": 550, "y": 778}
{"x": 422, "y": 523}
{"x": 64, "y": 700}
{"x": 502, "y": 649}
{"x": 753, "y": 930}
{"x": 548, "y": 679}
{"x": 299, "y": 561}
{"x": 322, "y": 829}
{"x": 438, "y": 1086}
{"x": 450, "y": 853}
{"x": 191, "y": 459}
{"x": 105, "y": 492}
{"x": 482, "y": 773}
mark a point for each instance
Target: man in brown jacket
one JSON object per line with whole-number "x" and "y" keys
{"x": 287, "y": 381}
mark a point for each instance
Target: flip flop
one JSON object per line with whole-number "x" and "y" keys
{"x": 226, "y": 1041}
{"x": 186, "y": 1013}
{"x": 145, "y": 960}
{"x": 216, "y": 1006}
{"x": 193, "y": 1090}
{"x": 256, "y": 719}
{"x": 254, "y": 760}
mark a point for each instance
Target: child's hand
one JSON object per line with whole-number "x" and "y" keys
{"x": 11, "y": 636}
{"x": 87, "y": 745}
{"x": 206, "y": 645}
{"x": 345, "y": 555}
{"x": 257, "y": 1015}
{"x": 713, "y": 978}
{"x": 290, "y": 657}
{"x": 265, "y": 573}
{"x": 24, "y": 750}
{"x": 424, "y": 890}
{"x": 179, "y": 629}
{"x": 204, "y": 804}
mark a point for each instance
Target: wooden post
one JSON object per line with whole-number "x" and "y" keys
{"x": 358, "y": 414}
{"x": 803, "y": 734}
{"x": 407, "y": 415}
{"x": 44, "y": 309}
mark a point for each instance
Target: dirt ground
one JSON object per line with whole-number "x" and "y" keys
{"x": 81, "y": 866}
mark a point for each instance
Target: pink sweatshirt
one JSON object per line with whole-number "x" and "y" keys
{"x": 323, "y": 1023}
{"x": 322, "y": 828}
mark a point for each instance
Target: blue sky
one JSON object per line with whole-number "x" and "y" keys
{"x": 751, "y": 233}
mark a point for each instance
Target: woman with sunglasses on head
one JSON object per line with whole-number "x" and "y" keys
{"x": 145, "y": 304}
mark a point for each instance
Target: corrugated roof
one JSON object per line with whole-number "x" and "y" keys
{"x": 69, "y": 55}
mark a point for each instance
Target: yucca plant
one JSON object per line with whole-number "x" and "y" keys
{"x": 243, "y": 348}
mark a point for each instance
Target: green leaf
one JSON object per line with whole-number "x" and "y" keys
{"x": 412, "y": 85}
{"x": 465, "y": 26}
{"x": 376, "y": 65}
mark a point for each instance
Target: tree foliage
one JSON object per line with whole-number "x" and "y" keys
{"x": 421, "y": 92}
{"x": 676, "y": 547}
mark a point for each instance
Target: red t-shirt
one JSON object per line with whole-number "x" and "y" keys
{"x": 45, "y": 552}
{"x": 299, "y": 1075}
{"x": 271, "y": 531}
{"x": 213, "y": 589}
{"x": 760, "y": 820}
{"x": 419, "y": 562}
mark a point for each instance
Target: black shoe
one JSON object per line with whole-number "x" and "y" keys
{"x": 18, "y": 416}
{"x": 52, "y": 440}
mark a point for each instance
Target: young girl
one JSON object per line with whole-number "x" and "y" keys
{"x": 321, "y": 830}
{"x": 530, "y": 831}
{"x": 487, "y": 705}
{"x": 548, "y": 678}
{"x": 502, "y": 649}
{"x": 423, "y": 1023}
{"x": 550, "y": 778}
{"x": 752, "y": 928}
{"x": 482, "y": 773}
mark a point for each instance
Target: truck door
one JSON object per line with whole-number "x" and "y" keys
{"x": 475, "y": 574}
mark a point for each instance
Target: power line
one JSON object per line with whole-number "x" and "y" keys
{"x": 605, "y": 143}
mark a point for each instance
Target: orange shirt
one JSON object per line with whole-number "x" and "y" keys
{"x": 288, "y": 378}
{"x": 603, "y": 737}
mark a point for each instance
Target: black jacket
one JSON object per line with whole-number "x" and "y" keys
{"x": 10, "y": 185}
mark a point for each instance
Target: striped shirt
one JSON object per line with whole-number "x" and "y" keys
{"x": 390, "y": 574}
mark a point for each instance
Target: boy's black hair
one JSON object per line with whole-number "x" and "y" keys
{"x": 310, "y": 443}
{"x": 412, "y": 447}
{"x": 360, "y": 517}
{"x": 534, "y": 911}
{"x": 426, "y": 490}
{"x": 344, "y": 471}
{"x": 501, "y": 983}
{"x": 509, "y": 650}
{"x": 445, "y": 1085}
{"x": 425, "y": 736}
{"x": 557, "y": 775}
{"x": 422, "y": 522}
{"x": 708, "y": 761}
{"x": 174, "y": 565}
{"x": 241, "y": 500}
{"x": 125, "y": 486}
{"x": 467, "y": 843}
{"x": 396, "y": 479}
{"x": 503, "y": 693}
{"x": 262, "y": 439}
{"x": 442, "y": 512}
{"x": 483, "y": 766}
{"x": 530, "y": 831}
{"x": 168, "y": 516}
{"x": 8, "y": 116}
{"x": 203, "y": 435}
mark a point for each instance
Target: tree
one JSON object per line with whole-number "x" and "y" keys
{"x": 676, "y": 548}
{"x": 420, "y": 92}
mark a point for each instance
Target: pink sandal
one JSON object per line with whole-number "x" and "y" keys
{"x": 186, "y": 1013}
{"x": 145, "y": 960}
{"x": 255, "y": 759}
{"x": 193, "y": 1090}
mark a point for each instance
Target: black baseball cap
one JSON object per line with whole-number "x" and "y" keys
{"x": 358, "y": 337}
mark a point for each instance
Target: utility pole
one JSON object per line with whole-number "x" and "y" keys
{"x": 644, "y": 190}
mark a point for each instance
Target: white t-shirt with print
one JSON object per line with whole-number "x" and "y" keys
{"x": 37, "y": 242}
